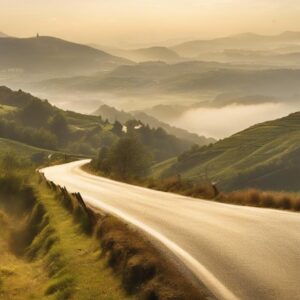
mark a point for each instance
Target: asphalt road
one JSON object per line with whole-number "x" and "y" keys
{"x": 237, "y": 252}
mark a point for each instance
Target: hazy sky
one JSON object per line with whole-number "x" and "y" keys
{"x": 130, "y": 22}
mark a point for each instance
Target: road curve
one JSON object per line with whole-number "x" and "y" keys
{"x": 237, "y": 252}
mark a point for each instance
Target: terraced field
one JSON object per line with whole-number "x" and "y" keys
{"x": 263, "y": 156}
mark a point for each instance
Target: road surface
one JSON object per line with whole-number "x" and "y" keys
{"x": 237, "y": 252}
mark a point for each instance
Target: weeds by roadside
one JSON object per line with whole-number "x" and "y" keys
{"x": 143, "y": 270}
{"x": 258, "y": 198}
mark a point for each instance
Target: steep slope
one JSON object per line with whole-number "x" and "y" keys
{"x": 264, "y": 156}
{"x": 53, "y": 56}
{"x": 112, "y": 114}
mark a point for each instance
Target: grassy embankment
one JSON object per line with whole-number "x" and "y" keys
{"x": 41, "y": 247}
{"x": 48, "y": 242}
{"x": 143, "y": 270}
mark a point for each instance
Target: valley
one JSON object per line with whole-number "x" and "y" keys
{"x": 149, "y": 151}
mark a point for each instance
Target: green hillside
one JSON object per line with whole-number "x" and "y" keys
{"x": 264, "y": 156}
{"x": 37, "y": 123}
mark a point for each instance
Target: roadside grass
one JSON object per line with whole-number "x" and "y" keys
{"x": 44, "y": 253}
{"x": 145, "y": 272}
{"x": 267, "y": 199}
{"x": 203, "y": 189}
{"x": 20, "y": 280}
{"x": 16, "y": 273}
{"x": 86, "y": 271}
{"x": 175, "y": 184}
{"x": 144, "y": 269}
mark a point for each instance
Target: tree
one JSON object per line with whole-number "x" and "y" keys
{"x": 36, "y": 113}
{"x": 103, "y": 163}
{"x": 117, "y": 128}
{"x": 129, "y": 158}
{"x": 59, "y": 127}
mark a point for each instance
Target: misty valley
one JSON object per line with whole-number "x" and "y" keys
{"x": 134, "y": 169}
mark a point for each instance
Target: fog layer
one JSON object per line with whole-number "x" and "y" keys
{"x": 223, "y": 122}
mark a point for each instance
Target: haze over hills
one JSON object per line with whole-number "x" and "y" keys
{"x": 243, "y": 77}
{"x": 249, "y": 41}
{"x": 112, "y": 114}
{"x": 3, "y": 35}
{"x": 263, "y": 156}
{"x": 184, "y": 78}
{"x": 53, "y": 57}
{"x": 158, "y": 53}
{"x": 36, "y": 122}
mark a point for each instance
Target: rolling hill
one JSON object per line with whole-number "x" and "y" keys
{"x": 184, "y": 78}
{"x": 249, "y": 41}
{"x": 51, "y": 57}
{"x": 154, "y": 76}
{"x": 156, "y": 53}
{"x": 281, "y": 57}
{"x": 162, "y": 54}
{"x": 265, "y": 156}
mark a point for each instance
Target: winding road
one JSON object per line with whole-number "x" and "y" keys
{"x": 237, "y": 252}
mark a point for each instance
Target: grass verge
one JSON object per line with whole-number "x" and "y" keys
{"x": 258, "y": 198}
{"x": 143, "y": 270}
{"x": 42, "y": 248}
{"x": 206, "y": 190}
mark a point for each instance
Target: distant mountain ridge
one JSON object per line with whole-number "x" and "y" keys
{"x": 189, "y": 78}
{"x": 240, "y": 41}
{"x": 155, "y": 53}
{"x": 53, "y": 56}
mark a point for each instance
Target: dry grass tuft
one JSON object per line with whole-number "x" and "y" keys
{"x": 268, "y": 199}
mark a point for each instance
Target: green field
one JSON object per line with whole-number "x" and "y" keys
{"x": 8, "y": 146}
{"x": 264, "y": 156}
